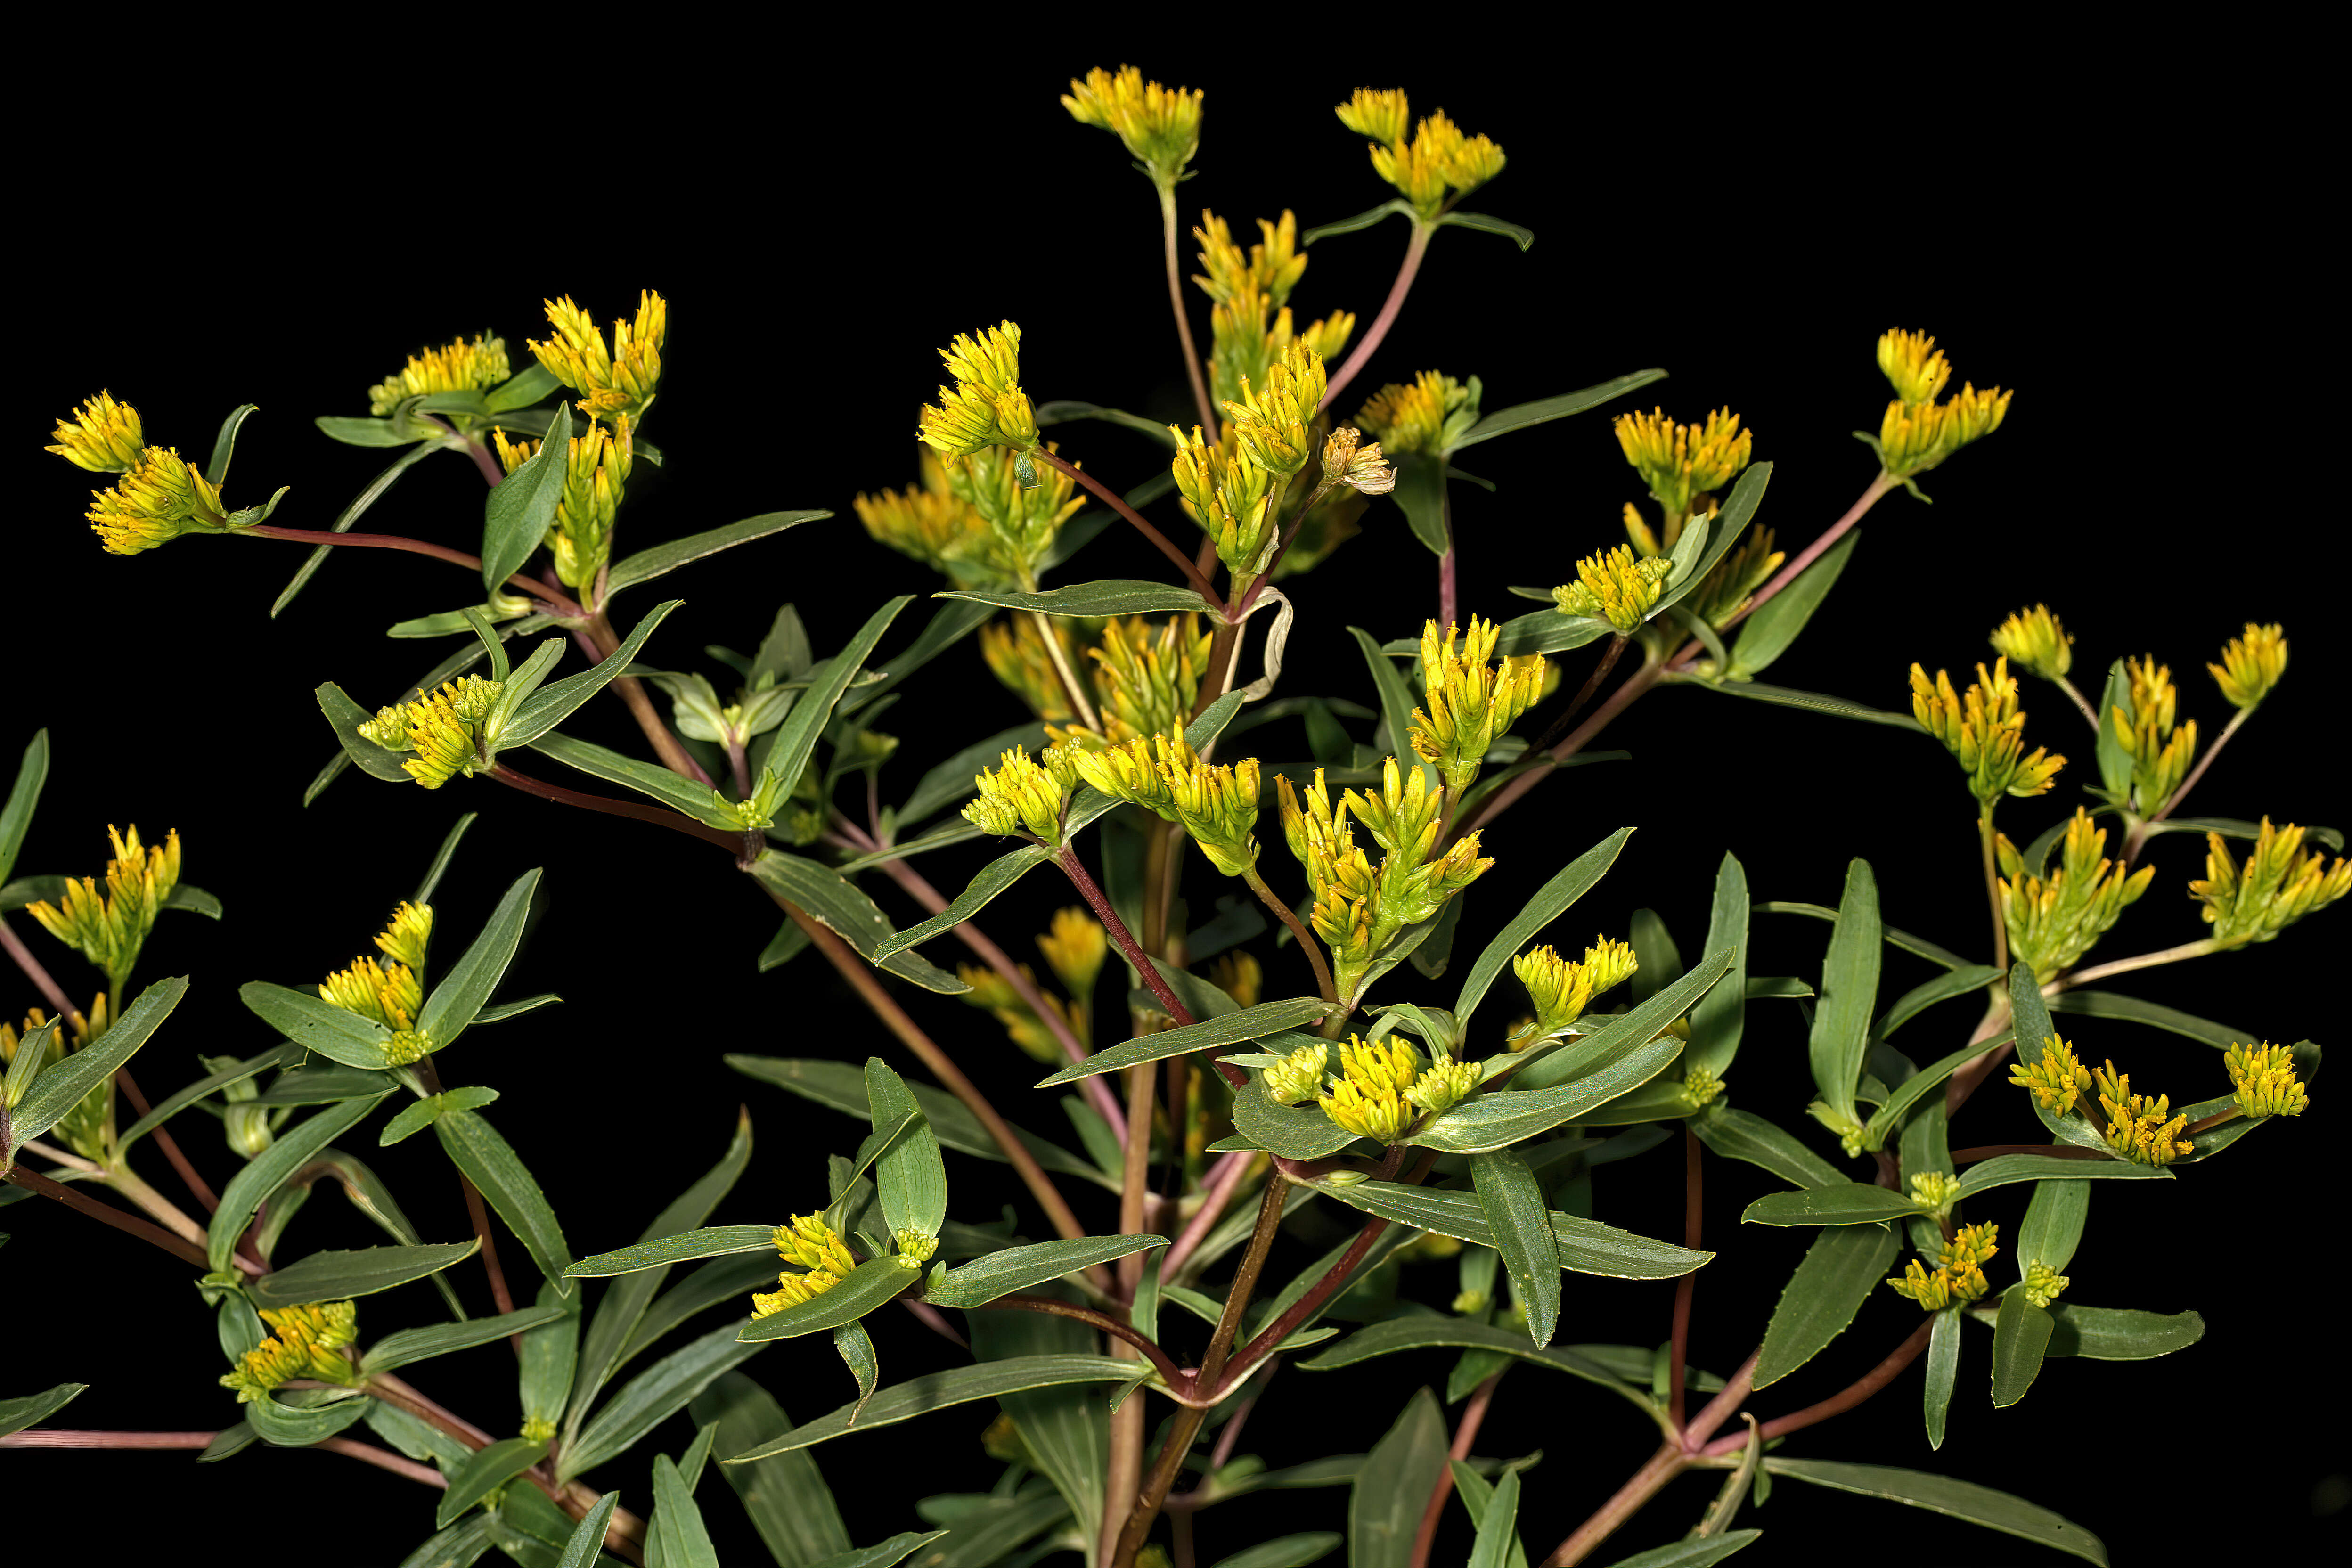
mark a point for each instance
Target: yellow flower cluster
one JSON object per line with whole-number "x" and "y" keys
{"x": 2056, "y": 1080}
{"x": 1270, "y": 424}
{"x": 1250, "y": 324}
{"x": 1935, "y": 1191}
{"x": 1563, "y": 988}
{"x": 2043, "y": 1284}
{"x": 596, "y": 471}
{"x": 1147, "y": 678}
{"x": 2142, "y": 725}
{"x": 986, "y": 407}
{"x": 1022, "y": 793}
{"x": 1616, "y": 586}
{"x": 1959, "y": 1275}
{"x": 1917, "y": 432}
{"x": 974, "y": 519}
{"x": 1372, "y": 1098}
{"x": 1014, "y": 650}
{"x": 815, "y": 1247}
{"x": 1724, "y": 592}
{"x": 2143, "y": 1129}
{"x": 304, "y": 1342}
{"x": 616, "y": 383}
{"x": 157, "y": 500}
{"x": 389, "y": 992}
{"x": 2251, "y": 665}
{"x": 1357, "y": 910}
{"x": 444, "y": 729}
{"x": 2265, "y": 1080}
{"x": 109, "y": 927}
{"x": 1985, "y": 731}
{"x": 460, "y": 366}
{"x": 2035, "y": 640}
{"x": 1469, "y": 703}
{"x": 2054, "y": 920}
{"x": 1681, "y": 463}
{"x": 1299, "y": 1077}
{"x": 1426, "y": 415}
{"x": 1215, "y": 804}
{"x": 1438, "y": 157}
{"x": 101, "y": 436}
{"x": 2279, "y": 886}
{"x": 84, "y": 1128}
{"x": 1160, "y": 126}
{"x": 1235, "y": 486}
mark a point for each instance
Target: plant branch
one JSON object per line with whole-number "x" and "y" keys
{"x": 1869, "y": 498}
{"x": 1169, "y": 1372}
{"x": 1206, "y": 409}
{"x": 1305, "y": 938}
{"x": 1686, "y": 1286}
{"x": 560, "y": 606}
{"x": 2082, "y": 704}
{"x": 1992, "y": 892}
{"x": 1322, "y": 1290}
{"x": 1122, "y": 938}
{"x": 2197, "y": 949}
{"x": 2172, "y": 802}
{"x": 1853, "y": 1393}
{"x": 1193, "y": 574}
{"x": 106, "y": 1213}
{"x": 1216, "y": 1191}
{"x": 1616, "y": 702}
{"x": 1584, "y": 694}
{"x": 1465, "y": 1432}
{"x": 1415, "y": 248}
{"x": 479, "y": 1214}
{"x": 660, "y": 817}
{"x": 674, "y": 755}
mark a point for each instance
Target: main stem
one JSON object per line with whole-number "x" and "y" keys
{"x": 1992, "y": 893}
{"x": 1124, "y": 939}
{"x": 1207, "y": 410}
{"x": 560, "y": 606}
{"x": 1417, "y": 247}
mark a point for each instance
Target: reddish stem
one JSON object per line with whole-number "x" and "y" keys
{"x": 562, "y": 607}
{"x": 1473, "y": 1415}
{"x": 1176, "y": 1378}
{"x": 1862, "y": 1388}
{"x": 1193, "y": 574}
{"x": 105, "y": 1213}
{"x": 660, "y": 817}
{"x": 1124, "y": 939}
{"x": 1685, "y": 1286}
{"x": 1414, "y": 249}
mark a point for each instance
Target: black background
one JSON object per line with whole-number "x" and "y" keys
{"x": 2118, "y": 259}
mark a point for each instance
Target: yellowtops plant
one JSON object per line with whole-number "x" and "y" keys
{"x": 1160, "y": 126}
{"x": 459, "y": 366}
{"x": 618, "y": 382}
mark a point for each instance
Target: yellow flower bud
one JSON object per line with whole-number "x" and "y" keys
{"x": 2142, "y": 725}
{"x": 1371, "y": 1098}
{"x": 389, "y": 994}
{"x": 2054, "y": 920}
{"x": 102, "y": 435}
{"x": 304, "y": 1341}
{"x": 1959, "y": 1275}
{"x": 1445, "y": 1085}
{"x": 1563, "y": 988}
{"x": 1147, "y": 679}
{"x": 109, "y": 927}
{"x": 405, "y": 936}
{"x": 2251, "y": 665}
{"x": 1160, "y": 126}
{"x": 1271, "y": 423}
{"x": 2043, "y": 1284}
{"x": 1019, "y": 793}
{"x": 2279, "y": 886}
{"x": 1985, "y": 731}
{"x": 157, "y": 500}
{"x": 443, "y": 728}
{"x": 2141, "y": 1129}
{"x": 2264, "y": 1078}
{"x": 1913, "y": 364}
{"x": 1680, "y": 462}
{"x": 1075, "y": 949}
{"x": 1380, "y": 115}
{"x": 2035, "y": 639}
{"x": 1427, "y": 415}
{"x": 1615, "y": 586}
{"x": 619, "y": 382}
{"x": 1468, "y": 703}
{"x": 1297, "y": 1078}
{"x": 459, "y": 366}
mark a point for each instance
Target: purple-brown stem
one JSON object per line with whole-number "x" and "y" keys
{"x": 1465, "y": 1432}
{"x": 660, "y": 817}
{"x": 1417, "y": 247}
{"x": 560, "y": 606}
{"x": 1305, "y": 938}
{"x": 1678, "y": 1357}
{"x": 1109, "y": 497}
{"x": 1175, "y": 1377}
{"x": 1837, "y": 1403}
{"x": 1216, "y": 1191}
{"x": 130, "y": 1224}
{"x": 1334, "y": 1278}
{"x": 1583, "y": 695}
{"x": 1122, "y": 938}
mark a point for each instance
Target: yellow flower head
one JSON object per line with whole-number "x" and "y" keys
{"x": 460, "y": 366}
{"x": 1160, "y": 126}
{"x": 1616, "y": 586}
{"x": 986, "y": 408}
{"x": 2141, "y": 1128}
{"x": 2042, "y": 1283}
{"x": 1469, "y": 703}
{"x": 1147, "y": 678}
{"x": 2033, "y": 640}
{"x": 1020, "y": 793}
{"x": 1916, "y": 437}
{"x": 1271, "y": 423}
{"x": 1445, "y": 1085}
{"x": 1235, "y": 498}
{"x": 1428, "y": 414}
{"x": 1075, "y": 949}
{"x": 2053, "y": 921}
{"x": 102, "y": 435}
{"x": 1402, "y": 814}
{"x": 443, "y": 728}
{"x": 620, "y": 382}
{"x": 1016, "y": 653}
{"x": 1297, "y": 1078}
{"x": 1361, "y": 467}
{"x": 1678, "y": 462}
{"x": 1216, "y": 804}
{"x": 792, "y": 1290}
{"x": 109, "y": 927}
{"x": 1959, "y": 1275}
{"x": 1380, "y": 115}
{"x": 389, "y": 994}
{"x": 2278, "y": 884}
{"x": 1563, "y": 988}
{"x": 805, "y": 1240}
{"x": 2143, "y": 724}
{"x": 2265, "y": 1080}
{"x": 157, "y": 500}
{"x": 1985, "y": 731}
{"x": 1935, "y": 1191}
{"x": 303, "y": 1342}
{"x": 2056, "y": 1080}
{"x": 1370, "y": 1100}
{"x": 405, "y": 936}
{"x": 1915, "y": 364}
{"x": 1270, "y": 268}
{"x": 2251, "y": 665}
{"x": 596, "y": 471}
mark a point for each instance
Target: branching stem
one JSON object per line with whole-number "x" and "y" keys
{"x": 1415, "y": 248}
{"x": 1110, "y": 498}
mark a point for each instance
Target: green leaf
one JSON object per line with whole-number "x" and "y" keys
{"x": 717, "y": 1241}
{"x": 950, "y": 781}
{"x": 1717, "y": 1021}
{"x": 334, "y": 1276}
{"x": 1422, "y": 1333}
{"x": 225, "y": 445}
{"x": 285, "y": 1425}
{"x": 1894, "y": 936}
{"x": 1586, "y": 1246}
{"x": 675, "y": 1536}
{"x": 415, "y": 1117}
{"x": 1396, "y": 705}
{"x": 840, "y": 906}
{"x": 17, "y": 816}
{"x": 459, "y": 1546}
{"x": 910, "y": 1175}
{"x": 1365, "y": 219}
{"x": 661, "y": 559}
{"x": 357, "y": 432}
{"x": 1909, "y": 1092}
{"x": 842, "y": 1087}
{"x": 1420, "y": 494}
{"x": 266, "y": 1172}
{"x": 2115, "y": 763}
{"x": 681, "y": 794}
{"x": 1811, "y": 701}
{"x": 319, "y": 1025}
{"x": 869, "y": 1286}
{"x": 1841, "y": 1034}
{"x": 1848, "y": 1203}
{"x": 2131, "y": 1009}
{"x": 1295, "y": 1132}
{"x": 993, "y": 879}
{"x": 1775, "y": 624}
{"x": 1497, "y": 1540}
{"x": 63, "y": 1085}
{"x": 1495, "y": 1120}
{"x": 1624, "y": 1044}
{"x": 1111, "y": 596}
{"x": 458, "y": 999}
{"x": 1384, "y": 1506}
{"x": 1691, "y": 1554}
{"x": 896, "y": 1549}
{"x": 32, "y": 1410}
{"x": 2053, "y": 1226}
{"x": 1549, "y": 631}
{"x": 855, "y": 1348}
{"x": 1739, "y": 509}
{"x": 234, "y": 1439}
{"x": 553, "y": 704}
{"x": 411, "y": 1345}
{"x": 1286, "y": 1551}
{"x": 1249, "y": 1024}
{"x": 794, "y": 739}
{"x": 651, "y": 1397}
{"x": 1062, "y": 409}
{"x": 490, "y": 1161}
{"x": 1838, "y": 1273}
{"x": 2021, "y": 1337}
{"x": 2003, "y": 1169}
{"x": 787, "y": 1500}
{"x": 2109, "y": 1333}
{"x": 949, "y": 624}
{"x": 1945, "y": 1495}
{"x": 1514, "y": 1203}
{"x": 518, "y": 512}
{"x": 588, "y": 1537}
{"x": 1067, "y": 1428}
{"x": 938, "y": 1390}
{"x": 1943, "y": 1372}
{"x": 1519, "y": 416}
{"x": 2235, "y": 827}
{"x": 1550, "y": 901}
{"x": 1524, "y": 237}
{"x": 1741, "y": 1135}
{"x": 489, "y": 1468}
{"x": 984, "y": 1279}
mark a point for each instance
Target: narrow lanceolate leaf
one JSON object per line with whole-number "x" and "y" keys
{"x": 319, "y": 1025}
{"x": 1422, "y": 1333}
{"x": 1287, "y": 1551}
{"x": 648, "y": 564}
{"x": 487, "y": 1471}
{"x": 1111, "y": 596}
{"x": 416, "y": 1117}
{"x": 267, "y": 1171}
{"x": 1065, "y": 1429}
{"x": 715, "y": 1241}
{"x": 2003, "y": 1169}
{"x": 1716, "y": 1021}
{"x": 909, "y": 1175}
{"x": 1551, "y": 901}
{"x": 17, "y": 815}
{"x": 1249, "y": 1024}
{"x": 1586, "y": 1246}
{"x": 678, "y": 793}
{"x": 1742, "y": 1135}
{"x": 1943, "y": 1372}
{"x": 2110, "y": 1334}
{"x": 63, "y": 1085}
{"x": 1738, "y": 509}
{"x": 412, "y": 1345}
{"x": 1549, "y": 631}
{"x": 1848, "y": 1203}
{"x": 1518, "y": 417}
{"x": 993, "y": 879}
{"x": 1701, "y": 1552}
{"x": 1767, "y": 633}
{"x": 1811, "y": 701}
{"x": 787, "y": 1500}
{"x": 676, "y": 1535}
{"x": 32, "y": 1410}
{"x": 2021, "y": 1337}
{"x": 1500, "y": 1118}
{"x": 1384, "y": 1506}
{"x": 588, "y": 1536}
{"x": 334, "y": 1276}
{"x": 2053, "y": 1226}
{"x": 1497, "y": 1541}
{"x": 1621, "y": 1041}
{"x": 2115, "y": 1004}
{"x": 795, "y": 741}
{"x": 888, "y": 1554}
{"x": 553, "y": 704}
{"x": 1944, "y": 1495}
{"x": 651, "y": 1397}
{"x": 1295, "y": 1132}
{"x": 490, "y": 1161}
{"x": 515, "y": 515}
{"x": 842, "y": 908}
{"x": 1018, "y": 1267}
{"x": 1840, "y": 1036}
{"x": 457, "y": 1000}
{"x": 869, "y": 1287}
{"x": 938, "y": 1390}
{"x": 1839, "y": 1272}
{"x": 1514, "y": 1203}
